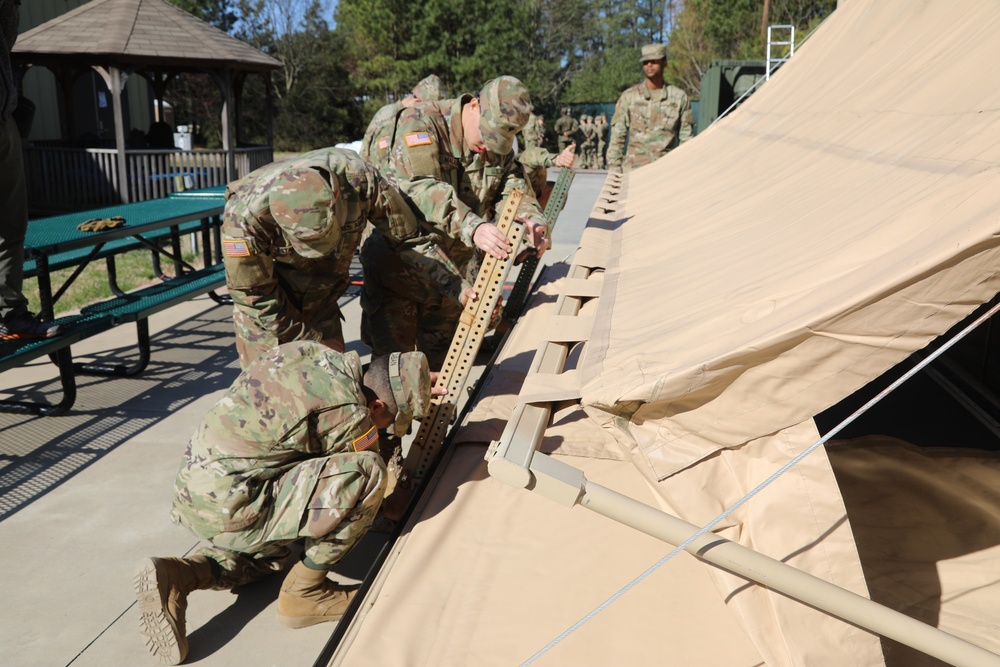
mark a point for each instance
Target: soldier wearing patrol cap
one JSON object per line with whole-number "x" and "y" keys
{"x": 290, "y": 453}
{"x": 289, "y": 231}
{"x": 650, "y": 117}
{"x": 453, "y": 162}
{"x": 376, "y": 140}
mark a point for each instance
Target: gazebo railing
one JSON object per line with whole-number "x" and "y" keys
{"x": 60, "y": 178}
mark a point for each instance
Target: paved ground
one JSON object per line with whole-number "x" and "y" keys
{"x": 85, "y": 495}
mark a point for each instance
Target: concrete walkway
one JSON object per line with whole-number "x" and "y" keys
{"x": 85, "y": 495}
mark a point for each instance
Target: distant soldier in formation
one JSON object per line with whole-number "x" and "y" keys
{"x": 650, "y": 117}
{"x": 588, "y": 148}
{"x": 601, "y": 128}
{"x": 566, "y": 129}
{"x": 536, "y": 162}
{"x": 289, "y": 232}
{"x": 288, "y": 454}
{"x": 534, "y": 132}
{"x": 430, "y": 89}
{"x": 453, "y": 161}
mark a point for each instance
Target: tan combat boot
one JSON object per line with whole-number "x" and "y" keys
{"x": 161, "y": 587}
{"x": 307, "y": 597}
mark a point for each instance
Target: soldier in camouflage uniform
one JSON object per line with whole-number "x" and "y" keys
{"x": 566, "y": 129}
{"x": 289, "y": 453}
{"x": 588, "y": 149}
{"x": 430, "y": 89}
{"x": 650, "y": 116}
{"x": 289, "y": 232}
{"x": 601, "y": 128}
{"x": 536, "y": 162}
{"x": 453, "y": 161}
{"x": 534, "y": 132}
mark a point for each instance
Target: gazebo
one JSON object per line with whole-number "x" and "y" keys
{"x": 157, "y": 41}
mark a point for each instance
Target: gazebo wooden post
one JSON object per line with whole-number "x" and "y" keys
{"x": 228, "y": 141}
{"x": 114, "y": 80}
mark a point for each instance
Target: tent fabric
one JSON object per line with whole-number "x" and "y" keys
{"x": 490, "y": 575}
{"x": 841, "y": 218}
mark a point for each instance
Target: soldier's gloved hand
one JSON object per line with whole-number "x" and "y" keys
{"x": 491, "y": 240}
{"x": 100, "y": 224}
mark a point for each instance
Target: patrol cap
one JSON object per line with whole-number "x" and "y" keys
{"x": 653, "y": 52}
{"x": 301, "y": 202}
{"x": 504, "y": 106}
{"x": 430, "y": 89}
{"x": 410, "y": 379}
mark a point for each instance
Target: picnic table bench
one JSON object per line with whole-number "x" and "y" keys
{"x": 56, "y": 242}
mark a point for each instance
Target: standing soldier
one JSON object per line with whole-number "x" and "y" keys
{"x": 589, "y": 146}
{"x": 430, "y": 89}
{"x": 289, "y": 232}
{"x": 566, "y": 129}
{"x": 650, "y": 117}
{"x": 534, "y": 132}
{"x": 453, "y": 161}
{"x": 601, "y": 128}
{"x": 288, "y": 454}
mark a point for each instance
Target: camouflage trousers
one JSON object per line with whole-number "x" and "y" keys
{"x": 252, "y": 340}
{"x": 402, "y": 307}
{"x": 329, "y": 502}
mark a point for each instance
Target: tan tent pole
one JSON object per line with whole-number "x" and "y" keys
{"x": 567, "y": 485}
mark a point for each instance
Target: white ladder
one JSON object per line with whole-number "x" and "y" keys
{"x": 772, "y": 61}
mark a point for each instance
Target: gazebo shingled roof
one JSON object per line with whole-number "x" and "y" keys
{"x": 138, "y": 32}
{"x": 152, "y": 38}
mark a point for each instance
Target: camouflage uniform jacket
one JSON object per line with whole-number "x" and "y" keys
{"x": 452, "y": 189}
{"x": 536, "y": 161}
{"x": 533, "y": 133}
{"x": 375, "y": 144}
{"x": 276, "y": 287}
{"x": 651, "y": 120}
{"x": 300, "y": 401}
{"x": 567, "y": 124}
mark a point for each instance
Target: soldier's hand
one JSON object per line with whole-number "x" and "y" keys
{"x": 491, "y": 240}
{"x": 537, "y": 233}
{"x": 469, "y": 294}
{"x": 567, "y": 157}
{"x": 436, "y": 390}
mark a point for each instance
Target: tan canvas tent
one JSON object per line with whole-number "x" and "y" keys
{"x": 723, "y": 303}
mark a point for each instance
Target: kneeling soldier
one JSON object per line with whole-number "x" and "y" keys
{"x": 289, "y": 453}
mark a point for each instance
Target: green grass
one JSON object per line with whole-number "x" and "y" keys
{"x": 134, "y": 268}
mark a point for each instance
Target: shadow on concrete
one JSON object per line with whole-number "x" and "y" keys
{"x": 191, "y": 359}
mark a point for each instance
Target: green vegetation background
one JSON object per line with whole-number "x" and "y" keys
{"x": 343, "y": 59}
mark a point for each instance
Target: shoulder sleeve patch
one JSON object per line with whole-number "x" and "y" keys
{"x": 417, "y": 139}
{"x": 367, "y": 441}
{"x": 236, "y": 248}
{"x": 383, "y": 143}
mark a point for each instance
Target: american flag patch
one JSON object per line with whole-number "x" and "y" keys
{"x": 367, "y": 440}
{"x": 236, "y": 248}
{"x": 383, "y": 143}
{"x": 417, "y": 139}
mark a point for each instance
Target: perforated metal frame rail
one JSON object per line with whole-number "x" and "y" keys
{"x": 557, "y": 202}
{"x": 472, "y": 328}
